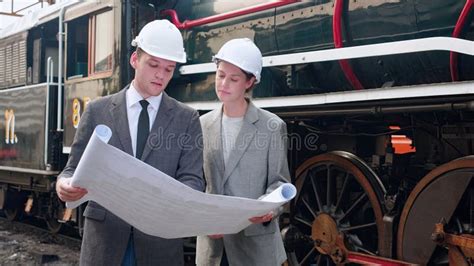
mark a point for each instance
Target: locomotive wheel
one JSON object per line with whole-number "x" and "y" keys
{"x": 55, "y": 210}
{"x": 53, "y": 225}
{"x": 338, "y": 189}
{"x": 447, "y": 192}
{"x": 13, "y": 208}
{"x": 12, "y": 213}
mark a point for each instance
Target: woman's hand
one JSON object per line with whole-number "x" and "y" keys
{"x": 262, "y": 219}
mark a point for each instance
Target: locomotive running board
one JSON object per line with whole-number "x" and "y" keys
{"x": 389, "y": 48}
{"x": 28, "y": 170}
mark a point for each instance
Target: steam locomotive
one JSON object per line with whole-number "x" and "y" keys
{"x": 378, "y": 97}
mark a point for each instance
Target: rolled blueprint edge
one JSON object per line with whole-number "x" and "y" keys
{"x": 103, "y": 132}
{"x": 283, "y": 193}
{"x": 288, "y": 191}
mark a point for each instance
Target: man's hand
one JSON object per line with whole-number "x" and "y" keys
{"x": 66, "y": 192}
{"x": 215, "y": 236}
{"x": 262, "y": 219}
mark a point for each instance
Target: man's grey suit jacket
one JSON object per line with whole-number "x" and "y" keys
{"x": 174, "y": 146}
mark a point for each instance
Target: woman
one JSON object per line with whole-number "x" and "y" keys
{"x": 245, "y": 156}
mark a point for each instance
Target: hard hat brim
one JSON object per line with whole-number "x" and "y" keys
{"x": 181, "y": 59}
{"x": 216, "y": 58}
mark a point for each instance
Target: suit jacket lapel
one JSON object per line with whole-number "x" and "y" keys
{"x": 119, "y": 115}
{"x": 246, "y": 135}
{"x": 162, "y": 120}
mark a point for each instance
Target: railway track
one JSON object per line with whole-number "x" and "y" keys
{"x": 30, "y": 242}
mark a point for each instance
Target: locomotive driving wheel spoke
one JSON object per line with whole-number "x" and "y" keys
{"x": 329, "y": 186}
{"x": 360, "y": 248}
{"x": 349, "y": 211}
{"x": 358, "y": 227}
{"x": 316, "y": 194}
{"x": 336, "y": 186}
{"x": 305, "y": 202}
{"x": 311, "y": 252}
{"x": 303, "y": 221}
{"x": 343, "y": 191}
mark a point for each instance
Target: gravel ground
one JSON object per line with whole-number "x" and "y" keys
{"x": 25, "y": 245}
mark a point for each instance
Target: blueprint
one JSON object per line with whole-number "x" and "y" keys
{"x": 156, "y": 203}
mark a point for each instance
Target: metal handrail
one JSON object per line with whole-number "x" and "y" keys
{"x": 337, "y": 36}
{"x": 453, "y": 57}
{"x": 187, "y": 24}
{"x": 49, "y": 80}
{"x": 60, "y": 68}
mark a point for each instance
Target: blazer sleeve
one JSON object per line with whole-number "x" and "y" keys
{"x": 190, "y": 170}
{"x": 81, "y": 138}
{"x": 278, "y": 172}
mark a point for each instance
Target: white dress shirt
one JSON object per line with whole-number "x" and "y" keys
{"x": 134, "y": 108}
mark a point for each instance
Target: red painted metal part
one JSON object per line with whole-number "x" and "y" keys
{"x": 365, "y": 259}
{"x": 453, "y": 57}
{"x": 337, "y": 35}
{"x": 187, "y": 24}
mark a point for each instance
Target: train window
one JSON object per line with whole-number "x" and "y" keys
{"x": 90, "y": 45}
{"x": 101, "y": 29}
{"x": 13, "y": 61}
{"x": 3, "y": 64}
{"x": 77, "y": 48}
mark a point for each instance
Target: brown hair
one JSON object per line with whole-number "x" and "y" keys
{"x": 139, "y": 51}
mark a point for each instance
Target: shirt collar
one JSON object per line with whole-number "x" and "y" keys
{"x": 133, "y": 98}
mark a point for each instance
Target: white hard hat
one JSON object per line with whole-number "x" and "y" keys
{"x": 242, "y": 53}
{"x": 161, "y": 39}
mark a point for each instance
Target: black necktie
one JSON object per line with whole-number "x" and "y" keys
{"x": 143, "y": 128}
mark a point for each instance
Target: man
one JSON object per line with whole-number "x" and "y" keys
{"x": 153, "y": 127}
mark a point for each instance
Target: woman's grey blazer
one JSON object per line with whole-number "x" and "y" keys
{"x": 256, "y": 167}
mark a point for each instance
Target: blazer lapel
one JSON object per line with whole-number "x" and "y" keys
{"x": 162, "y": 120}
{"x": 246, "y": 135}
{"x": 214, "y": 141}
{"x": 119, "y": 115}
